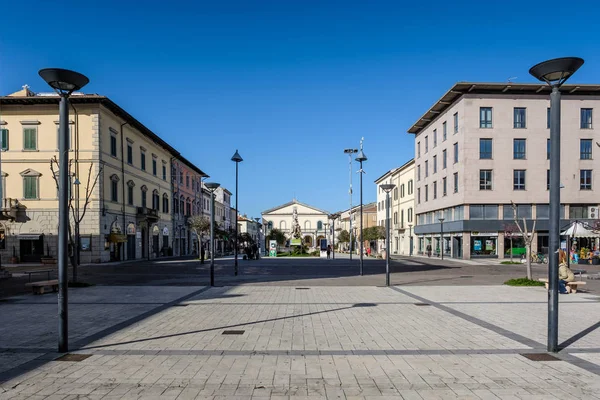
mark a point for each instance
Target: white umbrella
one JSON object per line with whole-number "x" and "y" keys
{"x": 578, "y": 230}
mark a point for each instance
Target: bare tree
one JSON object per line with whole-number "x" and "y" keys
{"x": 200, "y": 225}
{"x": 527, "y": 238}
{"x": 509, "y": 232}
{"x": 77, "y": 218}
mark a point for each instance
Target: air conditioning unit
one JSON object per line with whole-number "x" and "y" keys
{"x": 593, "y": 212}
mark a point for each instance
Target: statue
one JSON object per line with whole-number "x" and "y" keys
{"x": 296, "y": 231}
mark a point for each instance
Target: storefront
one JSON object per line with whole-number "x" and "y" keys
{"x": 484, "y": 244}
{"x": 31, "y": 247}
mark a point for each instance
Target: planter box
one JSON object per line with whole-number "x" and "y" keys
{"x": 595, "y": 261}
{"x": 583, "y": 261}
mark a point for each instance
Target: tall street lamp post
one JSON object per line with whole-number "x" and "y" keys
{"x": 350, "y": 152}
{"x": 442, "y": 237}
{"x": 333, "y": 217}
{"x": 212, "y": 186}
{"x": 64, "y": 82}
{"x": 361, "y": 158}
{"x": 554, "y": 72}
{"x": 387, "y": 188}
{"x": 410, "y": 240}
{"x": 236, "y": 159}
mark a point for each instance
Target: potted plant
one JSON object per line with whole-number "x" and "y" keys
{"x": 584, "y": 256}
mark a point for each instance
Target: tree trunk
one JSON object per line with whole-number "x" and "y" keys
{"x": 528, "y": 251}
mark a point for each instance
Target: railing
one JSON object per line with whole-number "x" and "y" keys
{"x": 148, "y": 212}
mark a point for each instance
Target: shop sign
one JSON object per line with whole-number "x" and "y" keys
{"x": 131, "y": 229}
{"x": 484, "y": 233}
{"x": 155, "y": 230}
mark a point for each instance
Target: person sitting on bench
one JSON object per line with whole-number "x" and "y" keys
{"x": 564, "y": 273}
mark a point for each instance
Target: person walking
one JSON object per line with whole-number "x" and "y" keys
{"x": 328, "y": 251}
{"x": 429, "y": 250}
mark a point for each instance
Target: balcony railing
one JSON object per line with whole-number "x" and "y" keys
{"x": 150, "y": 213}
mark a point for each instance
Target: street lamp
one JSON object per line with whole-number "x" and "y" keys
{"x": 333, "y": 217}
{"x": 442, "y": 236}
{"x": 387, "y": 188}
{"x": 410, "y": 240}
{"x": 350, "y": 152}
{"x": 236, "y": 159}
{"x": 212, "y": 186}
{"x": 554, "y": 72}
{"x": 76, "y": 250}
{"x": 361, "y": 158}
{"x": 64, "y": 82}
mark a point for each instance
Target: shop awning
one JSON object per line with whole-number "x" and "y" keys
{"x": 579, "y": 230}
{"x": 30, "y": 236}
{"x": 117, "y": 238}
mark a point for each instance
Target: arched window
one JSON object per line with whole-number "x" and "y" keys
{"x": 270, "y": 225}
{"x": 319, "y": 225}
{"x": 175, "y": 204}
{"x": 282, "y": 225}
{"x": 165, "y": 203}
{"x": 114, "y": 187}
{"x": 307, "y": 225}
{"x": 188, "y": 207}
{"x": 144, "y": 191}
{"x": 130, "y": 186}
{"x": 155, "y": 200}
{"x": 181, "y": 204}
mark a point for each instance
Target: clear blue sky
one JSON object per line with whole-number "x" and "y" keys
{"x": 289, "y": 83}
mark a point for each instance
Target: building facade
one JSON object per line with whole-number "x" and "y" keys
{"x": 402, "y": 208}
{"x": 343, "y": 224}
{"x": 482, "y": 147}
{"x": 313, "y": 221}
{"x": 120, "y": 174}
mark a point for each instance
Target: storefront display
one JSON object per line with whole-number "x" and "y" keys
{"x": 484, "y": 244}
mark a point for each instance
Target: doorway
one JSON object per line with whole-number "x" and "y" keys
{"x": 144, "y": 242}
{"x": 131, "y": 247}
{"x": 457, "y": 247}
{"x": 32, "y": 248}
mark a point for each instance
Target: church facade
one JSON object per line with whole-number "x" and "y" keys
{"x": 313, "y": 223}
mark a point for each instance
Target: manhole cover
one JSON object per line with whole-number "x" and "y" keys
{"x": 422, "y": 304}
{"x": 540, "y": 357}
{"x": 73, "y": 357}
{"x": 233, "y": 332}
{"x": 302, "y": 288}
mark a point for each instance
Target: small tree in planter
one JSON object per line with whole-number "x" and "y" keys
{"x": 527, "y": 237}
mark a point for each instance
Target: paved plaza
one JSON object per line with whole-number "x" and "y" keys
{"x": 304, "y": 336}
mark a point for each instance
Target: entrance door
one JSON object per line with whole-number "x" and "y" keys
{"x": 32, "y": 250}
{"x": 131, "y": 247}
{"x": 457, "y": 247}
{"x": 155, "y": 247}
{"x": 144, "y": 242}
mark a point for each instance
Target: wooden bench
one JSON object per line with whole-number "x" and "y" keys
{"x": 38, "y": 287}
{"x": 571, "y": 286}
{"x": 38, "y": 271}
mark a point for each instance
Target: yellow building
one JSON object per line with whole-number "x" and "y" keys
{"x": 128, "y": 212}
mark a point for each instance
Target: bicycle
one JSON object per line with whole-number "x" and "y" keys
{"x": 539, "y": 258}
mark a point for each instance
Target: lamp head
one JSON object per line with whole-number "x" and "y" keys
{"x": 64, "y": 81}
{"x": 350, "y": 151}
{"x": 442, "y": 219}
{"x": 555, "y": 72}
{"x": 361, "y": 156}
{"x": 387, "y": 187}
{"x": 236, "y": 157}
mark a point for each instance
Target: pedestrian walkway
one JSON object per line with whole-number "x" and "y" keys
{"x": 252, "y": 342}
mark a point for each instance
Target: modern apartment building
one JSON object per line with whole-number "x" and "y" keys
{"x": 402, "y": 207}
{"x": 128, "y": 212}
{"x": 482, "y": 146}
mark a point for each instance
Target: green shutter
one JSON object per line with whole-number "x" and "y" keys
{"x": 30, "y": 187}
{"x": 29, "y": 139}
{"x": 4, "y": 139}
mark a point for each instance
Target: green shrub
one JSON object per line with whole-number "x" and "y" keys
{"x": 511, "y": 262}
{"x": 523, "y": 282}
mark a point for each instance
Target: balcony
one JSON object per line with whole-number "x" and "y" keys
{"x": 150, "y": 214}
{"x": 12, "y": 210}
{"x": 399, "y": 227}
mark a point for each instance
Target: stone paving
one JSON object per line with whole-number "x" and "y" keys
{"x": 305, "y": 342}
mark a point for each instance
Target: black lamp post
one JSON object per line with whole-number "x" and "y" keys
{"x": 350, "y": 152}
{"x": 64, "y": 82}
{"x": 212, "y": 186}
{"x": 442, "y": 237}
{"x": 361, "y": 158}
{"x": 236, "y": 159}
{"x": 333, "y": 217}
{"x": 387, "y": 188}
{"x": 554, "y": 72}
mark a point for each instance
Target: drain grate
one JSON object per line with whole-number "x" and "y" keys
{"x": 540, "y": 357}
{"x": 302, "y": 288}
{"x": 234, "y": 332}
{"x": 73, "y": 357}
{"x": 422, "y": 304}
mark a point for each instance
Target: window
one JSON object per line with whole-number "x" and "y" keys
{"x": 4, "y": 139}
{"x": 586, "y": 118}
{"x": 542, "y": 211}
{"x": 519, "y": 179}
{"x": 113, "y": 145}
{"x": 520, "y": 115}
{"x": 402, "y": 218}
{"x": 418, "y": 173}
{"x": 30, "y": 187}
{"x": 444, "y": 188}
{"x": 165, "y": 203}
{"x": 444, "y": 159}
{"x": 189, "y": 208}
{"x": 187, "y": 181}
{"x": 143, "y": 160}
{"x": 426, "y": 192}
{"x": 434, "y": 138}
{"x": 129, "y": 154}
{"x": 435, "y": 190}
{"x": 585, "y": 179}
{"x": 485, "y": 149}
{"x": 130, "y": 195}
{"x": 547, "y": 179}
{"x": 426, "y": 168}
{"x": 114, "y": 188}
{"x": 455, "y": 153}
{"x": 456, "y": 182}
{"x": 402, "y": 192}
{"x": 396, "y": 193}
{"x": 519, "y": 149}
{"x": 410, "y": 187}
{"x": 426, "y": 144}
{"x": 578, "y": 212}
{"x": 455, "y": 122}
{"x": 410, "y": 215}
{"x": 164, "y": 173}
{"x": 418, "y": 149}
{"x": 523, "y": 211}
{"x": 176, "y": 204}
{"x": 418, "y": 195}
{"x": 154, "y": 167}
{"x": 30, "y": 138}
{"x": 434, "y": 164}
{"x": 319, "y": 225}
{"x": 395, "y": 217}
{"x": 181, "y": 176}
{"x": 548, "y": 118}
{"x": 144, "y": 190}
{"x": 459, "y": 213}
{"x": 485, "y": 117}
{"x": 444, "y": 131}
{"x": 585, "y": 149}
{"x": 485, "y": 179}
{"x": 483, "y": 211}
{"x": 547, "y": 149}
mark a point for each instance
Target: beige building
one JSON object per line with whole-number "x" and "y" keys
{"x": 482, "y": 146}
{"x": 402, "y": 208}
{"x": 313, "y": 221}
{"x": 128, "y": 212}
{"x": 343, "y": 224}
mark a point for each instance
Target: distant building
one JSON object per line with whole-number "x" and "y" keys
{"x": 313, "y": 221}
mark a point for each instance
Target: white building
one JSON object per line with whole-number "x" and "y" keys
{"x": 313, "y": 221}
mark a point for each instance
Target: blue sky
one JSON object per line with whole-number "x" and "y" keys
{"x": 289, "y": 83}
